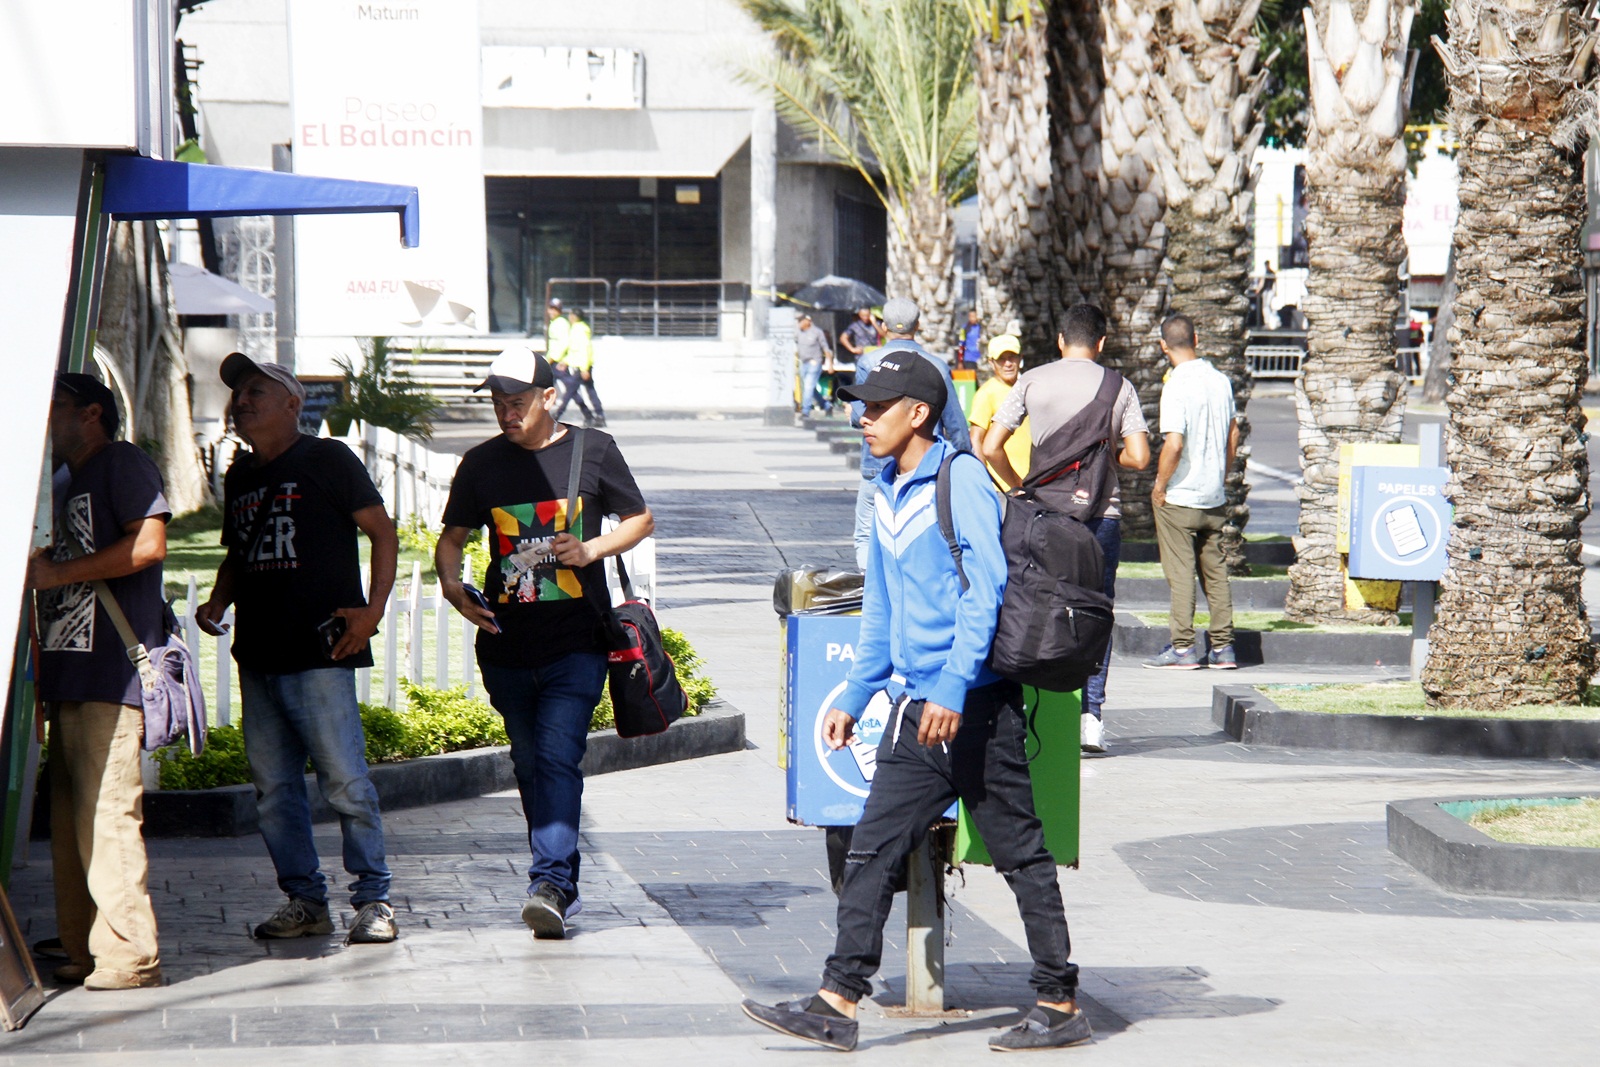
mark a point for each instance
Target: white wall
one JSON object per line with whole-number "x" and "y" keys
{"x": 38, "y": 213}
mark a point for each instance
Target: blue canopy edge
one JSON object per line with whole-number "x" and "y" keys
{"x": 141, "y": 188}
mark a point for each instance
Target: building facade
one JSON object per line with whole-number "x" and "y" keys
{"x": 620, "y": 162}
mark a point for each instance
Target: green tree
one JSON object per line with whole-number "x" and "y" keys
{"x": 886, "y": 88}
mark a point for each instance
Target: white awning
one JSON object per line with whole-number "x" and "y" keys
{"x": 525, "y": 142}
{"x": 197, "y": 291}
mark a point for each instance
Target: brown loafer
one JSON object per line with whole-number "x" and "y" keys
{"x": 105, "y": 979}
{"x": 73, "y": 973}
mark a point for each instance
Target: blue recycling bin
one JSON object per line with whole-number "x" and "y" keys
{"x": 824, "y": 787}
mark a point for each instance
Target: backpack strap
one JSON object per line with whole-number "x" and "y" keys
{"x": 947, "y": 521}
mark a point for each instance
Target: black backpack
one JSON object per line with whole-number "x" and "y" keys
{"x": 1055, "y": 622}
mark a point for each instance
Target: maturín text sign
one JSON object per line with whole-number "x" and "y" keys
{"x": 390, "y": 93}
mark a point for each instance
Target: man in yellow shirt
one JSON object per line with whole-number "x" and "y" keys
{"x": 1005, "y": 361}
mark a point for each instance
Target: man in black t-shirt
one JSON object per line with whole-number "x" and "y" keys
{"x": 542, "y": 646}
{"x": 292, "y": 508}
{"x": 111, "y": 526}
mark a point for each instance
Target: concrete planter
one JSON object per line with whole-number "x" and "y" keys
{"x": 1464, "y": 860}
{"x": 230, "y": 811}
{"x": 1248, "y": 716}
{"x": 1134, "y": 637}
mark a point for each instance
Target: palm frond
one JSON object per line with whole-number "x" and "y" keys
{"x": 885, "y": 86}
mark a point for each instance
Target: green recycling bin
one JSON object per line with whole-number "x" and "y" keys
{"x": 1053, "y": 741}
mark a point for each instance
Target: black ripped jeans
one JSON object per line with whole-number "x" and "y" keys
{"x": 986, "y": 766}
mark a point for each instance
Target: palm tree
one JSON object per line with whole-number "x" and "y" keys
{"x": 1076, "y": 41}
{"x": 885, "y": 86}
{"x": 1511, "y": 626}
{"x": 1207, "y": 80}
{"x": 1017, "y": 225}
{"x": 1350, "y": 390}
{"x": 1133, "y": 206}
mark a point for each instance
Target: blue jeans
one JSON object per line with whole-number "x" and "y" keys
{"x": 547, "y": 712}
{"x": 865, "y": 495}
{"x": 289, "y": 718}
{"x": 1109, "y": 533}
{"x": 810, "y": 375}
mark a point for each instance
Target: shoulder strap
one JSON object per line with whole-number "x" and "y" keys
{"x": 138, "y": 655}
{"x": 574, "y": 483}
{"x": 947, "y": 521}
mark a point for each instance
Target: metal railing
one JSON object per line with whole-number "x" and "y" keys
{"x": 640, "y": 307}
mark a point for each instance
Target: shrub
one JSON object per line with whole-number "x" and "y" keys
{"x": 222, "y": 763}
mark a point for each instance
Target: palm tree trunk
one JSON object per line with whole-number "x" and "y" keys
{"x": 1511, "y": 627}
{"x": 1076, "y": 39}
{"x": 1133, "y": 211}
{"x": 922, "y": 255}
{"x": 1207, "y": 87}
{"x": 1349, "y": 391}
{"x": 1016, "y": 220}
{"x": 138, "y": 330}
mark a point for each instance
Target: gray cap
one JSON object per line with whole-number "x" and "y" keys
{"x": 900, "y": 315}
{"x": 238, "y": 367}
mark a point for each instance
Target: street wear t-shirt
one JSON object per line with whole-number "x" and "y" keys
{"x": 82, "y": 656}
{"x": 1050, "y": 396}
{"x": 1197, "y": 401}
{"x": 305, "y": 563}
{"x": 520, "y": 494}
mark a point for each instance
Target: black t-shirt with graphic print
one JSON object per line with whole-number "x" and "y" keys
{"x": 521, "y": 496}
{"x": 305, "y": 562}
{"x": 81, "y": 655}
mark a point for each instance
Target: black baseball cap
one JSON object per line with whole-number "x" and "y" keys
{"x": 87, "y": 389}
{"x": 901, "y": 373}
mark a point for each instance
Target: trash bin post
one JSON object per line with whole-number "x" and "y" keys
{"x": 925, "y": 929}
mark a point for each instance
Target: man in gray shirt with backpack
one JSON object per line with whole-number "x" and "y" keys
{"x": 1051, "y": 397}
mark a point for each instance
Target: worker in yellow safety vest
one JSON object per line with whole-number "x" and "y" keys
{"x": 576, "y": 371}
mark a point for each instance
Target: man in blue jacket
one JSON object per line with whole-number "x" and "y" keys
{"x": 900, "y": 317}
{"x": 957, "y": 729}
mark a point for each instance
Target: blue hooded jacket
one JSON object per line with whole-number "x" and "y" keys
{"x": 916, "y": 623}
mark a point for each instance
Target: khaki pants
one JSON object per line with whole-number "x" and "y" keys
{"x": 103, "y": 907}
{"x": 1190, "y": 540}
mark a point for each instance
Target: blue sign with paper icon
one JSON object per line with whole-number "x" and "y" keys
{"x": 1399, "y": 523}
{"x": 826, "y": 787}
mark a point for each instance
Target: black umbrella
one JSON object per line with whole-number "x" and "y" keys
{"x": 833, "y": 293}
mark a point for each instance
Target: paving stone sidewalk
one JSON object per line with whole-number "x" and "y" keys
{"x": 1233, "y": 905}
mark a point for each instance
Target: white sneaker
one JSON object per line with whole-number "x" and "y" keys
{"x": 1093, "y": 736}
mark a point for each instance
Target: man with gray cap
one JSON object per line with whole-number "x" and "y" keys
{"x": 900, "y": 316}
{"x": 292, "y": 508}
{"x": 544, "y": 610}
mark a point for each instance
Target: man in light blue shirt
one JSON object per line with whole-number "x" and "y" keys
{"x": 1200, "y": 439}
{"x": 900, "y": 316}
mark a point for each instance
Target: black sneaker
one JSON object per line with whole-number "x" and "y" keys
{"x": 791, "y": 1017}
{"x": 51, "y": 949}
{"x": 1035, "y": 1032}
{"x": 297, "y": 918}
{"x": 546, "y": 912}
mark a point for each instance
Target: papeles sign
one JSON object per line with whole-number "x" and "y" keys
{"x": 390, "y": 93}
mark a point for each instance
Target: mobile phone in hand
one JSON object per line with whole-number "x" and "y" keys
{"x": 476, "y": 596}
{"x": 331, "y": 630}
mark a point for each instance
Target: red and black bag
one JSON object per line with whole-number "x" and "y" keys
{"x": 646, "y": 697}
